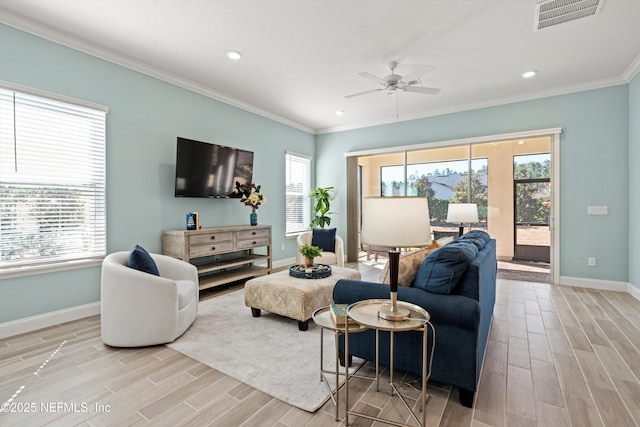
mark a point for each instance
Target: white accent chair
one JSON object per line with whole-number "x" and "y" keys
{"x": 141, "y": 309}
{"x": 328, "y": 258}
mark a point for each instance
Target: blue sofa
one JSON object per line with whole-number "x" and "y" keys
{"x": 460, "y": 312}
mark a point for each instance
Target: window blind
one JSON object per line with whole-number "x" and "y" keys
{"x": 52, "y": 181}
{"x": 297, "y": 189}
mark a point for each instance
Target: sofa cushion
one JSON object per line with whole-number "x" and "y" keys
{"x": 140, "y": 259}
{"x": 442, "y": 269}
{"x": 408, "y": 266}
{"x": 477, "y": 237}
{"x": 324, "y": 238}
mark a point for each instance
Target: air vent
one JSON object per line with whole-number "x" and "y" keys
{"x": 414, "y": 82}
{"x": 556, "y": 12}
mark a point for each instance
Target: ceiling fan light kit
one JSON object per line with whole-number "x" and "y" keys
{"x": 393, "y": 81}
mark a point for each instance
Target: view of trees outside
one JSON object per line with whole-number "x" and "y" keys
{"x": 531, "y": 176}
{"x": 297, "y": 189}
{"x": 533, "y": 200}
{"x": 43, "y": 222}
{"x": 442, "y": 183}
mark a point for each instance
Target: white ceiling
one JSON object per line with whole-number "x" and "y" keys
{"x": 302, "y": 57}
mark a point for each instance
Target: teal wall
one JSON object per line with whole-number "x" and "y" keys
{"x": 594, "y": 166}
{"x": 634, "y": 181}
{"x": 145, "y": 117}
{"x": 600, "y": 129}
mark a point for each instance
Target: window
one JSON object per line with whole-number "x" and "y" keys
{"x": 297, "y": 189}
{"x": 442, "y": 182}
{"x": 52, "y": 181}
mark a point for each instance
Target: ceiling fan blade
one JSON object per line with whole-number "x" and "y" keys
{"x": 417, "y": 73}
{"x": 364, "y": 93}
{"x": 419, "y": 89}
{"x": 372, "y": 77}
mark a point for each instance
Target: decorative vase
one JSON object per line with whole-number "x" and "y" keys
{"x": 253, "y": 217}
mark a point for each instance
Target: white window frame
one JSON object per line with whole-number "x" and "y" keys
{"x": 52, "y": 182}
{"x": 295, "y": 228}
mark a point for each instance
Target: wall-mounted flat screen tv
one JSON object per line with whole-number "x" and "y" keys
{"x": 210, "y": 170}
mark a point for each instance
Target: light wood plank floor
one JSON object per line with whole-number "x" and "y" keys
{"x": 557, "y": 356}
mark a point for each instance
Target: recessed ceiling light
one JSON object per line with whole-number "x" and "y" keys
{"x": 529, "y": 74}
{"x": 340, "y": 112}
{"x": 234, "y": 55}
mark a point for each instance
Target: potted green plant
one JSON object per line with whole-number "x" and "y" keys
{"x": 309, "y": 253}
{"x": 321, "y": 198}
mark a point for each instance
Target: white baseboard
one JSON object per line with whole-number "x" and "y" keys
{"x": 605, "y": 285}
{"x": 28, "y": 324}
{"x": 284, "y": 262}
{"x": 635, "y": 292}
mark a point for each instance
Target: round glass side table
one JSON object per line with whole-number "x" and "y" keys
{"x": 322, "y": 318}
{"x": 366, "y": 314}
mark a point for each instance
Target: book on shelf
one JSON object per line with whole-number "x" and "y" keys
{"x": 197, "y": 215}
{"x": 339, "y": 313}
{"x": 193, "y": 221}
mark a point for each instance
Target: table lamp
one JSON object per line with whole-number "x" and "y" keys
{"x": 395, "y": 222}
{"x": 391, "y": 311}
{"x": 461, "y": 213}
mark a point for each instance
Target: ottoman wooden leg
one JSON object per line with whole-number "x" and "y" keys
{"x": 303, "y": 326}
{"x": 255, "y": 312}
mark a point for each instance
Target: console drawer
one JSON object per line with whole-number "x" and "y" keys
{"x": 253, "y": 234}
{"x": 206, "y": 238}
{"x": 211, "y": 249}
{"x": 248, "y": 244}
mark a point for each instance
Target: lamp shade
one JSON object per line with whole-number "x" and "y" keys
{"x": 462, "y": 212}
{"x": 395, "y": 222}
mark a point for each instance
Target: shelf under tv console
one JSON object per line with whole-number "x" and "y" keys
{"x": 222, "y": 255}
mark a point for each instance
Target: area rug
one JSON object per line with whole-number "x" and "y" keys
{"x": 268, "y": 353}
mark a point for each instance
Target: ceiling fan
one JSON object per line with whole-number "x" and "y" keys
{"x": 393, "y": 82}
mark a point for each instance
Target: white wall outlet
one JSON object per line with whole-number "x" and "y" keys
{"x": 283, "y": 246}
{"x": 597, "y": 210}
{"x": 591, "y": 261}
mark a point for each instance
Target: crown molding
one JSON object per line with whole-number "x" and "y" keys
{"x": 633, "y": 70}
{"x": 101, "y": 52}
{"x": 92, "y": 49}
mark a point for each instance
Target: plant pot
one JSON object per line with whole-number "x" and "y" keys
{"x": 308, "y": 261}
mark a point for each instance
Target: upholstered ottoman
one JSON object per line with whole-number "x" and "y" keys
{"x": 295, "y": 298}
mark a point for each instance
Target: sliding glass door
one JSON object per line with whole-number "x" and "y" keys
{"x": 532, "y": 207}
{"x": 509, "y": 181}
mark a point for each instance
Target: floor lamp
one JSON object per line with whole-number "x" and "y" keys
{"x": 461, "y": 213}
{"x": 395, "y": 222}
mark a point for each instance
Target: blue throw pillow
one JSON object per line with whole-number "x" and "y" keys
{"x": 442, "y": 269}
{"x": 477, "y": 237}
{"x": 324, "y": 238}
{"x": 140, "y": 259}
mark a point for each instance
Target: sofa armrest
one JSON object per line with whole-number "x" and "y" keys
{"x": 455, "y": 310}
